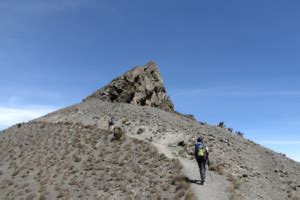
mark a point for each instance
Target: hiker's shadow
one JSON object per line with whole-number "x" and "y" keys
{"x": 188, "y": 180}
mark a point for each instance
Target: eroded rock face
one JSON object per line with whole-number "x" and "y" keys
{"x": 140, "y": 86}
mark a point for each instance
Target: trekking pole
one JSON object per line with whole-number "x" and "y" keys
{"x": 211, "y": 178}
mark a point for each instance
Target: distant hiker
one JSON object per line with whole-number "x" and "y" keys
{"x": 201, "y": 155}
{"x": 111, "y": 122}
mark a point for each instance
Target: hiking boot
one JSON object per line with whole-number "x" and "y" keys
{"x": 202, "y": 183}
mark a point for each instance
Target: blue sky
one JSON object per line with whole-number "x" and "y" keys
{"x": 233, "y": 61}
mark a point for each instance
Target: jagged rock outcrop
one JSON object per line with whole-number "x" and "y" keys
{"x": 140, "y": 86}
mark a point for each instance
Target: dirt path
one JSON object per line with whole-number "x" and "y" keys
{"x": 215, "y": 187}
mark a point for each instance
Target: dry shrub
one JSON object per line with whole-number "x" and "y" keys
{"x": 60, "y": 194}
{"x": 293, "y": 196}
{"x": 177, "y": 178}
{"x": 43, "y": 197}
{"x": 118, "y": 133}
{"x": 235, "y": 182}
{"x": 179, "y": 195}
{"x": 30, "y": 196}
{"x": 182, "y": 185}
{"x": 217, "y": 168}
{"x": 162, "y": 157}
{"x": 16, "y": 172}
{"x": 190, "y": 196}
{"x": 76, "y": 158}
{"x": 233, "y": 189}
{"x": 182, "y": 152}
{"x": 164, "y": 187}
{"x": 177, "y": 164}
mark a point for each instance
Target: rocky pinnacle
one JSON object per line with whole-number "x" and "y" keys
{"x": 143, "y": 85}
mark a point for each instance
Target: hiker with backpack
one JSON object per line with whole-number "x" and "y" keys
{"x": 111, "y": 122}
{"x": 201, "y": 155}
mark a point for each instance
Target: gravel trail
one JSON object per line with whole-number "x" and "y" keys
{"x": 215, "y": 187}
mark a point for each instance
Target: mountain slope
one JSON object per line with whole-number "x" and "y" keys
{"x": 67, "y": 160}
{"x": 255, "y": 172}
{"x": 240, "y": 169}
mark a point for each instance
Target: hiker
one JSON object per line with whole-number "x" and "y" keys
{"x": 201, "y": 155}
{"x": 111, "y": 122}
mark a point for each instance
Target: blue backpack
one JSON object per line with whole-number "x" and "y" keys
{"x": 200, "y": 149}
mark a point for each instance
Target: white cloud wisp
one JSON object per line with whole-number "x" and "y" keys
{"x": 10, "y": 116}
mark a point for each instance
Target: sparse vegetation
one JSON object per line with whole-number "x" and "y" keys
{"x": 190, "y": 196}
{"x": 118, "y": 133}
{"x": 203, "y": 123}
{"x": 219, "y": 168}
{"x": 63, "y": 160}
{"x": 233, "y": 189}
{"x": 221, "y": 124}
{"x": 239, "y": 133}
{"x": 76, "y": 157}
{"x": 234, "y": 181}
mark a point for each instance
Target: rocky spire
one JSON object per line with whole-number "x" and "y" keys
{"x": 142, "y": 86}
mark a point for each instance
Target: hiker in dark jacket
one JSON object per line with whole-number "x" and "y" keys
{"x": 111, "y": 122}
{"x": 201, "y": 154}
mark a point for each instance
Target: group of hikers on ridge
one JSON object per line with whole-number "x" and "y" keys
{"x": 201, "y": 151}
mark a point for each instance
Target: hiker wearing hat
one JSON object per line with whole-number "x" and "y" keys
{"x": 201, "y": 155}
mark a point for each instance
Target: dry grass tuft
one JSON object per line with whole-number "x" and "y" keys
{"x": 118, "y": 133}
{"x": 190, "y": 196}
{"x": 234, "y": 181}
{"x": 234, "y": 188}
{"x": 76, "y": 157}
{"x": 219, "y": 168}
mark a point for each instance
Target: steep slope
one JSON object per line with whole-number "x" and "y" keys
{"x": 67, "y": 160}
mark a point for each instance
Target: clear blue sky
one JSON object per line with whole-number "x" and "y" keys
{"x": 232, "y": 61}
